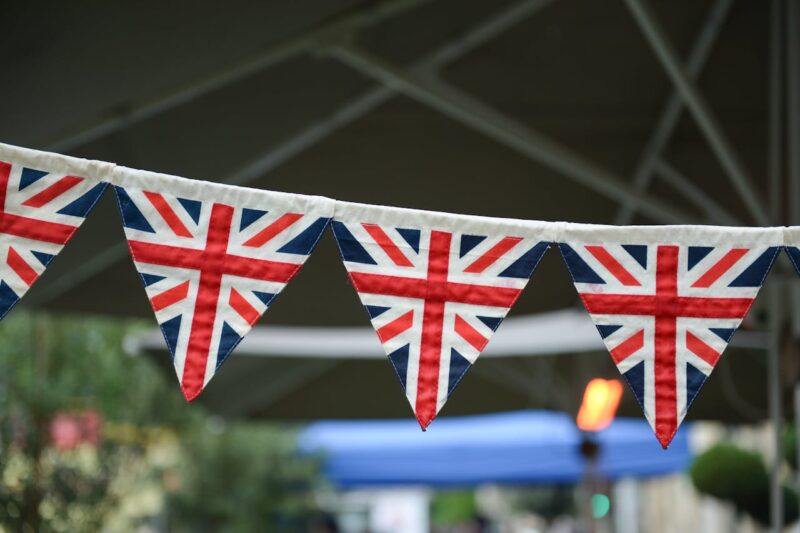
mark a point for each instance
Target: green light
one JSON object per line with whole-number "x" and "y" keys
{"x": 601, "y": 505}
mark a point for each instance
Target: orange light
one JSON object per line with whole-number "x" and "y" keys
{"x": 600, "y": 402}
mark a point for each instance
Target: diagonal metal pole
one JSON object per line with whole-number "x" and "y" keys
{"x": 693, "y": 193}
{"x": 312, "y": 134}
{"x": 699, "y": 109}
{"x": 525, "y": 140}
{"x": 177, "y": 96}
{"x": 668, "y": 120}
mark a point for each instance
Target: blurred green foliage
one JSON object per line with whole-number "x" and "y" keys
{"x": 241, "y": 478}
{"x": 732, "y": 474}
{"x": 453, "y": 507}
{"x": 159, "y": 461}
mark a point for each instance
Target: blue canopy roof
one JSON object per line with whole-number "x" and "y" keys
{"x": 522, "y": 447}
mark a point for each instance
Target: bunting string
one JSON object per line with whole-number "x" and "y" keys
{"x": 666, "y": 300}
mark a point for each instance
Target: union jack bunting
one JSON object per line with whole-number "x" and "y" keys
{"x": 666, "y": 302}
{"x": 42, "y": 203}
{"x": 792, "y": 240}
{"x": 434, "y": 296}
{"x": 212, "y": 258}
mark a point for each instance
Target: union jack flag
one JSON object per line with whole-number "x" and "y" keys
{"x": 434, "y": 297}
{"x": 211, "y": 270}
{"x": 666, "y": 313}
{"x": 39, "y": 213}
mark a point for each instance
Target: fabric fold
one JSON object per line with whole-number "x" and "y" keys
{"x": 666, "y": 301}
{"x": 435, "y": 287}
{"x": 212, "y": 258}
{"x": 44, "y": 199}
{"x": 791, "y": 237}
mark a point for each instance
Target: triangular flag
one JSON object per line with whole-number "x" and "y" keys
{"x": 792, "y": 241}
{"x": 435, "y": 287}
{"x": 209, "y": 266}
{"x": 666, "y": 301}
{"x": 44, "y": 199}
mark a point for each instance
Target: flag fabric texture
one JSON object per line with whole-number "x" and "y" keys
{"x": 435, "y": 287}
{"x": 792, "y": 241}
{"x": 212, "y": 258}
{"x": 666, "y": 301}
{"x": 44, "y": 199}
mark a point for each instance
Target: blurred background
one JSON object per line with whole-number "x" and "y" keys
{"x": 614, "y": 111}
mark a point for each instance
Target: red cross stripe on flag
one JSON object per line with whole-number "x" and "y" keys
{"x": 39, "y": 213}
{"x": 434, "y": 297}
{"x": 211, "y": 269}
{"x": 666, "y": 313}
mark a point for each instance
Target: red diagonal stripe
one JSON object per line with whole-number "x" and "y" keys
{"x": 613, "y": 266}
{"x": 243, "y": 307}
{"x": 170, "y": 296}
{"x": 388, "y": 246}
{"x": 470, "y": 334}
{"x": 627, "y": 347}
{"x": 701, "y": 349}
{"x": 396, "y": 327}
{"x": 52, "y": 192}
{"x": 21, "y": 267}
{"x": 37, "y": 230}
{"x": 266, "y": 234}
{"x": 719, "y": 268}
{"x": 492, "y": 255}
{"x": 167, "y": 213}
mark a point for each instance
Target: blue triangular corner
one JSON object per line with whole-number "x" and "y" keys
{"x": 228, "y": 340}
{"x": 80, "y": 207}
{"x": 349, "y": 247}
{"x": 249, "y": 216}
{"x": 304, "y": 242}
{"x": 192, "y": 207}
{"x": 171, "y": 328}
{"x": 399, "y": 360}
{"x": 458, "y": 367}
{"x": 30, "y": 176}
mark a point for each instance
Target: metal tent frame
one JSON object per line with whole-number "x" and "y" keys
{"x": 335, "y": 38}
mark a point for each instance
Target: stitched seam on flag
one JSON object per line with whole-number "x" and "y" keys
{"x": 133, "y": 257}
{"x": 795, "y": 263}
{"x": 511, "y": 305}
{"x": 350, "y": 278}
{"x": 235, "y": 344}
{"x": 69, "y": 236}
{"x": 519, "y": 293}
{"x": 396, "y": 373}
{"x": 689, "y": 404}
{"x": 358, "y": 296}
{"x": 583, "y": 300}
{"x": 697, "y": 393}
{"x": 458, "y": 381}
